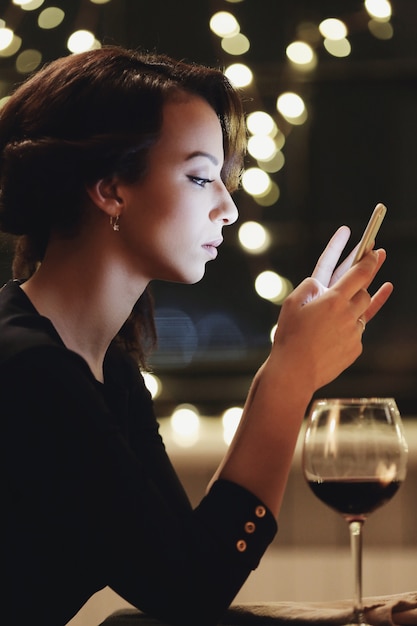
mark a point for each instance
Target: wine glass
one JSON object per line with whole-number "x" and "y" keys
{"x": 354, "y": 460}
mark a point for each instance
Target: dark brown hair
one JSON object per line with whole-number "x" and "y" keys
{"x": 87, "y": 116}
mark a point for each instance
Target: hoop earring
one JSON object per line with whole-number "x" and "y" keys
{"x": 114, "y": 222}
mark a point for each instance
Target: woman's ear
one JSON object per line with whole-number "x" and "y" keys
{"x": 104, "y": 194}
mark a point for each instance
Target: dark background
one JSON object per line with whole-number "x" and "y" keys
{"x": 358, "y": 147}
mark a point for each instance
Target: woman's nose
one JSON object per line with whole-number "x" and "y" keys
{"x": 226, "y": 210}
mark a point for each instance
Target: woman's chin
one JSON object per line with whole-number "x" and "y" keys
{"x": 191, "y": 278}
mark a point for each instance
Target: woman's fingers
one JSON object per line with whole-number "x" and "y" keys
{"x": 377, "y": 301}
{"x": 344, "y": 266}
{"x": 329, "y": 258}
{"x": 326, "y": 271}
{"x": 361, "y": 275}
{"x": 354, "y": 284}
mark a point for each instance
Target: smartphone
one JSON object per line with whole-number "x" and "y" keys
{"x": 370, "y": 231}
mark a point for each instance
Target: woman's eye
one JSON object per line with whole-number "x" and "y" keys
{"x": 202, "y": 182}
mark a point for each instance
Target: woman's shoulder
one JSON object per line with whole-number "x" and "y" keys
{"x": 21, "y": 326}
{"x": 28, "y": 338}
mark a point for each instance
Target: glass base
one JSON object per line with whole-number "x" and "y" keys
{"x": 357, "y": 619}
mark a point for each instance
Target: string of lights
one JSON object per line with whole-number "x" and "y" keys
{"x": 77, "y": 26}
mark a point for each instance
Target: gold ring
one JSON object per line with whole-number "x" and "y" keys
{"x": 362, "y": 321}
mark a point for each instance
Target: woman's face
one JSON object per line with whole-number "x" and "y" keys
{"x": 172, "y": 219}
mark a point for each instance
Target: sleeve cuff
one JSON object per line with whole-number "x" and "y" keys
{"x": 239, "y": 520}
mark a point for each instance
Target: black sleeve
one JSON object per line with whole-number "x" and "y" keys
{"x": 101, "y": 506}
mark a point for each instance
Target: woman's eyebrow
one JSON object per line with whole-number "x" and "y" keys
{"x": 198, "y": 153}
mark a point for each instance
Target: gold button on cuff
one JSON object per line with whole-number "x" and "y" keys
{"x": 260, "y": 511}
{"x": 250, "y": 527}
{"x": 241, "y": 545}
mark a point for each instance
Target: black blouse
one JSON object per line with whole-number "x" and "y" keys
{"x": 90, "y": 497}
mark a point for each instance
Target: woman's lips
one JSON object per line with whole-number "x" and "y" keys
{"x": 212, "y": 246}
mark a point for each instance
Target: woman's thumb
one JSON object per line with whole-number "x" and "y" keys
{"x": 308, "y": 290}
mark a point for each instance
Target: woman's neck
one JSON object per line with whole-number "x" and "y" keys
{"x": 87, "y": 302}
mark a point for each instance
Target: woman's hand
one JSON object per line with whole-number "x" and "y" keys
{"x": 319, "y": 331}
{"x": 328, "y": 273}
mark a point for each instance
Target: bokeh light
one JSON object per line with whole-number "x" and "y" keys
{"x": 153, "y": 384}
{"x": 271, "y": 286}
{"x": 333, "y": 28}
{"x": 262, "y": 147}
{"x": 378, "y": 9}
{"x": 185, "y": 425}
{"x": 381, "y": 30}
{"x": 28, "y": 61}
{"x": 50, "y": 18}
{"x": 230, "y": 422}
{"x": 337, "y": 48}
{"x": 301, "y": 55}
{"x": 270, "y": 197}
{"x": 12, "y": 48}
{"x": 6, "y": 38}
{"x": 275, "y": 164}
{"x": 292, "y": 107}
{"x": 236, "y": 45}
{"x": 255, "y": 181}
{"x": 224, "y": 24}
{"x": 29, "y": 5}
{"x": 239, "y": 74}
{"x": 80, "y": 41}
{"x": 253, "y": 237}
{"x": 261, "y": 123}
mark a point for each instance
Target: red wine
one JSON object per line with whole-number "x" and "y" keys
{"x": 354, "y": 498}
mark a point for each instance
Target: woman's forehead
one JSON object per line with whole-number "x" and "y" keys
{"x": 193, "y": 123}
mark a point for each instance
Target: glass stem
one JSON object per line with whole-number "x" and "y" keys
{"x": 355, "y": 528}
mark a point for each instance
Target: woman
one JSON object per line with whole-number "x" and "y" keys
{"x": 116, "y": 170}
